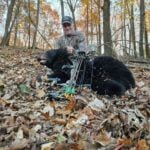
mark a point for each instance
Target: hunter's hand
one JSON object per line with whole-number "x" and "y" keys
{"x": 70, "y": 49}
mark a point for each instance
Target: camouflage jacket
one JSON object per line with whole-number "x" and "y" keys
{"x": 76, "y": 40}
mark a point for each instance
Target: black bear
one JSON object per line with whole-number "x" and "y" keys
{"x": 105, "y": 74}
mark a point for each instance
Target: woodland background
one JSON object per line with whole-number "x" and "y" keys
{"x": 112, "y": 27}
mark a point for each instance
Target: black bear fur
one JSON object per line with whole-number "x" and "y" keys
{"x": 109, "y": 76}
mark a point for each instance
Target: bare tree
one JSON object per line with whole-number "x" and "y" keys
{"x": 106, "y": 29}
{"x": 132, "y": 29}
{"x": 142, "y": 16}
{"x": 99, "y": 26}
{"x": 87, "y": 23}
{"x": 36, "y": 24}
{"x": 16, "y": 22}
{"x": 91, "y": 22}
{"x": 72, "y": 6}
{"x": 62, "y": 8}
{"x": 29, "y": 25}
{"x": 6, "y": 35}
{"x": 147, "y": 49}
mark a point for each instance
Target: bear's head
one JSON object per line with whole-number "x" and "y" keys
{"x": 54, "y": 58}
{"x": 47, "y": 58}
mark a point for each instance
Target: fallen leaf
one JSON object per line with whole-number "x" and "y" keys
{"x": 140, "y": 84}
{"x": 40, "y": 93}
{"x": 70, "y": 105}
{"x": 123, "y": 142}
{"x": 103, "y": 138}
{"x": 19, "y": 134}
{"x": 37, "y": 127}
{"x": 19, "y": 144}
{"x": 24, "y": 89}
{"x": 96, "y": 105}
{"x": 46, "y": 146}
{"x": 142, "y": 145}
{"x": 59, "y": 121}
{"x": 2, "y": 85}
{"x": 82, "y": 119}
{"x": 61, "y": 138}
{"x": 49, "y": 109}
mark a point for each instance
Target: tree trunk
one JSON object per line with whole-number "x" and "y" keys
{"x": 16, "y": 32}
{"x": 141, "y": 50}
{"x": 99, "y": 29}
{"x": 133, "y": 31}
{"x": 36, "y": 25}
{"x": 99, "y": 39}
{"x": 123, "y": 28}
{"x": 7, "y": 24}
{"x": 13, "y": 22}
{"x": 62, "y": 8}
{"x": 132, "y": 38}
{"x": 147, "y": 49}
{"x": 72, "y": 6}
{"x": 87, "y": 24}
{"x": 74, "y": 19}
{"x": 29, "y": 25}
{"x": 91, "y": 24}
{"x": 16, "y": 22}
{"x": 129, "y": 30}
{"x": 106, "y": 29}
{"x": 124, "y": 31}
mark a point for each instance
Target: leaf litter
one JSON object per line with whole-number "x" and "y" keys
{"x": 84, "y": 121}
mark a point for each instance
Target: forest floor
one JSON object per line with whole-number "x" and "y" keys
{"x": 85, "y": 121}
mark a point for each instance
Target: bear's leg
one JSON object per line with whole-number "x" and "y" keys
{"x": 109, "y": 87}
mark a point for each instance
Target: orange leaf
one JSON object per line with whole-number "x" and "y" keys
{"x": 123, "y": 142}
{"x": 103, "y": 138}
{"x": 70, "y": 105}
{"x": 142, "y": 145}
{"x": 74, "y": 146}
{"x": 59, "y": 121}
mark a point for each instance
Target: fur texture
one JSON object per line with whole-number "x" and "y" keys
{"x": 105, "y": 74}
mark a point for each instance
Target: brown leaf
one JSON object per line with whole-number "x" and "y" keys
{"x": 88, "y": 111}
{"x": 103, "y": 138}
{"x": 53, "y": 104}
{"x": 25, "y": 129}
{"x": 74, "y": 146}
{"x": 124, "y": 142}
{"x": 19, "y": 144}
{"x": 142, "y": 145}
{"x": 9, "y": 121}
{"x": 59, "y": 121}
{"x": 46, "y": 115}
{"x": 61, "y": 147}
{"x": 3, "y": 102}
{"x": 70, "y": 105}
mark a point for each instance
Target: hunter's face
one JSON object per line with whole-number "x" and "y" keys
{"x": 68, "y": 28}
